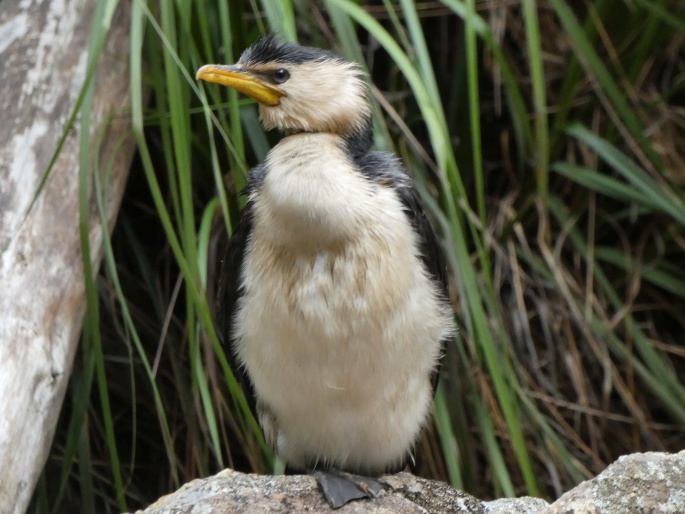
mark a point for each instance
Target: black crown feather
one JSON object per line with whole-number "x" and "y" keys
{"x": 270, "y": 48}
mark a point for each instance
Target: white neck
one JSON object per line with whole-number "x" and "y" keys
{"x": 311, "y": 193}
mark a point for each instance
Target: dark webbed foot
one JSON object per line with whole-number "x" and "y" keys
{"x": 340, "y": 487}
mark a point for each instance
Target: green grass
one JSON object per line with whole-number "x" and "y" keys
{"x": 562, "y": 217}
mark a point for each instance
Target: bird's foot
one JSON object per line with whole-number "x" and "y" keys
{"x": 340, "y": 487}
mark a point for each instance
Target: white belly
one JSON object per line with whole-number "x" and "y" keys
{"x": 340, "y": 337}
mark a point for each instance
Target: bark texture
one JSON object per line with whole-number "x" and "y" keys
{"x": 43, "y": 55}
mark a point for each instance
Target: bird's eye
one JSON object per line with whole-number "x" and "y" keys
{"x": 281, "y": 75}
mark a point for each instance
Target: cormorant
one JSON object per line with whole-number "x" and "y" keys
{"x": 333, "y": 287}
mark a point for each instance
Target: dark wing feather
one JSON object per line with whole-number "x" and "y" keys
{"x": 230, "y": 289}
{"x": 230, "y": 283}
{"x": 386, "y": 170}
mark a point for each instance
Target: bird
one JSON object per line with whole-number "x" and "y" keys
{"x": 333, "y": 294}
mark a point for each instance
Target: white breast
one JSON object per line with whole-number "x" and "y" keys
{"x": 339, "y": 327}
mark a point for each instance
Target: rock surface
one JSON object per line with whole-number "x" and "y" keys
{"x": 523, "y": 505}
{"x": 642, "y": 482}
{"x": 234, "y": 492}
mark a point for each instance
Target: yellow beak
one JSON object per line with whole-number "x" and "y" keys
{"x": 243, "y": 82}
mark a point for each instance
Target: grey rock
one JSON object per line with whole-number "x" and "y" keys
{"x": 234, "y": 492}
{"x": 639, "y": 483}
{"x": 522, "y": 505}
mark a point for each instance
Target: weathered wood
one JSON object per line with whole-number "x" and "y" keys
{"x": 43, "y": 50}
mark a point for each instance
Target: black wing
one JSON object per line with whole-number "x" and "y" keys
{"x": 386, "y": 170}
{"x": 230, "y": 283}
{"x": 230, "y": 288}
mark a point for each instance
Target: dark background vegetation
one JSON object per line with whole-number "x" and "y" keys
{"x": 548, "y": 142}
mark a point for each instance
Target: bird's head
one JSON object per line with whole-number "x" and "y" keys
{"x": 298, "y": 88}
